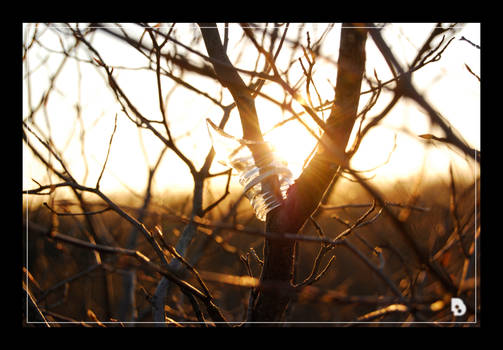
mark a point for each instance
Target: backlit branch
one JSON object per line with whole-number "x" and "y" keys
{"x": 146, "y": 262}
{"x": 406, "y": 88}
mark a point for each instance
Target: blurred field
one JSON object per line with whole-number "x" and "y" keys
{"x": 349, "y": 289}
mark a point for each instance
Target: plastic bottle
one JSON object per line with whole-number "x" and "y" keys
{"x": 235, "y": 153}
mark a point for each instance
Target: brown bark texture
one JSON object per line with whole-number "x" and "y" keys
{"x": 305, "y": 194}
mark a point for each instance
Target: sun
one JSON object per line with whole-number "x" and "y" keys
{"x": 292, "y": 143}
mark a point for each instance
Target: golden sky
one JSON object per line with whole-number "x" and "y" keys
{"x": 393, "y": 147}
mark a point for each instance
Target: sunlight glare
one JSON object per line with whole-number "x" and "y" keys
{"x": 293, "y": 143}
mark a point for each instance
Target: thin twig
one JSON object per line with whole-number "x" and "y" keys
{"x": 177, "y": 255}
{"x": 468, "y": 41}
{"x": 379, "y": 271}
{"x": 470, "y": 70}
{"x": 383, "y": 311}
{"x": 391, "y": 204}
{"x": 68, "y": 280}
{"x": 146, "y": 262}
{"x": 69, "y": 214}
{"x": 406, "y": 88}
{"x": 356, "y": 224}
{"x": 108, "y": 153}
{"x": 454, "y": 212}
{"x": 226, "y": 192}
{"x": 314, "y": 276}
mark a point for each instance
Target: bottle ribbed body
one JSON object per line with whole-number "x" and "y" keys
{"x": 235, "y": 153}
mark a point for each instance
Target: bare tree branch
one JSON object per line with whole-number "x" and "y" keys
{"x": 304, "y": 196}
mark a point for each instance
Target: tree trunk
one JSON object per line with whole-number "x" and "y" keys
{"x": 305, "y": 195}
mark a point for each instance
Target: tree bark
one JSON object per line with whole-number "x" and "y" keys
{"x": 305, "y": 195}
{"x": 230, "y": 78}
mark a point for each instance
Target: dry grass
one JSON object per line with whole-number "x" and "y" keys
{"x": 348, "y": 291}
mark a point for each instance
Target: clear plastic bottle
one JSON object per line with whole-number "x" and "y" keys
{"x": 235, "y": 153}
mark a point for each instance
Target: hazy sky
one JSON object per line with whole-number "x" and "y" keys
{"x": 447, "y": 85}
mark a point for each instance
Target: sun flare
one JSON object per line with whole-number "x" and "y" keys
{"x": 292, "y": 143}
